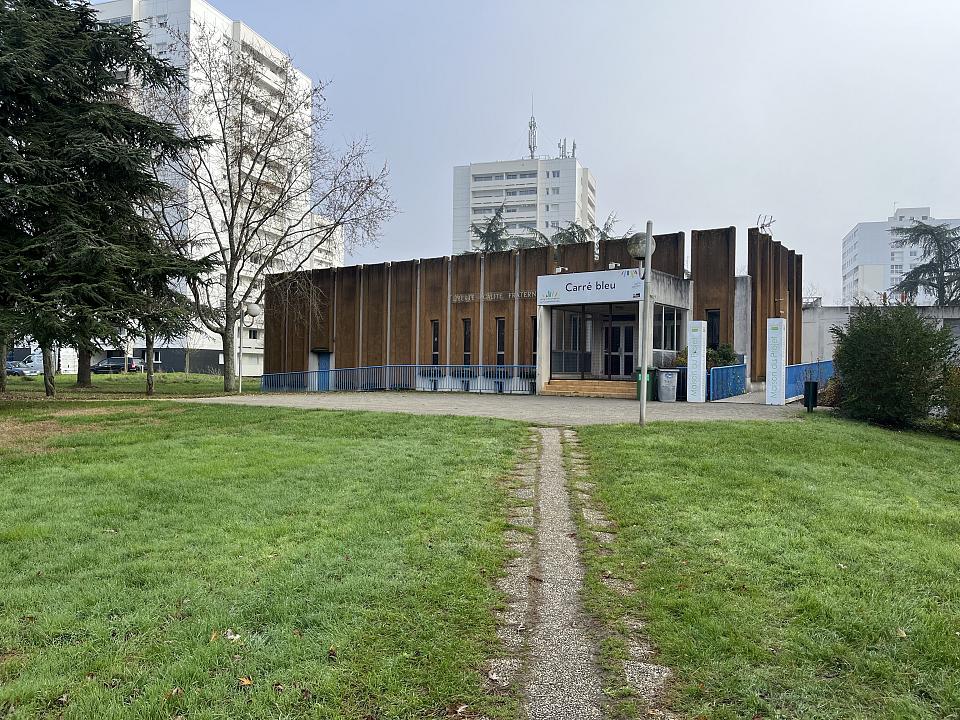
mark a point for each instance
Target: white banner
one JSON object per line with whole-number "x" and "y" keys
{"x": 697, "y": 361}
{"x": 590, "y": 287}
{"x": 776, "y": 360}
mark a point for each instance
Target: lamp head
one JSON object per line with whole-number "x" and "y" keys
{"x": 637, "y": 245}
{"x": 253, "y": 310}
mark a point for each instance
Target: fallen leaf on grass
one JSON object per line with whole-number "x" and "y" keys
{"x": 63, "y": 699}
{"x": 176, "y": 692}
{"x": 214, "y": 636}
{"x": 230, "y": 635}
{"x": 901, "y": 633}
{"x": 278, "y": 687}
{"x": 245, "y": 682}
{"x": 332, "y": 653}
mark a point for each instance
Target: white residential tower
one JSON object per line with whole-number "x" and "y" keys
{"x": 163, "y": 22}
{"x": 537, "y": 193}
{"x": 872, "y": 264}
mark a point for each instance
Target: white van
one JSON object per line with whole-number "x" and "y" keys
{"x": 34, "y": 362}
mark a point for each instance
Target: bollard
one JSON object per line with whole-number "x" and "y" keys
{"x": 810, "y": 394}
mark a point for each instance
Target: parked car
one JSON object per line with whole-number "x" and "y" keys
{"x": 19, "y": 369}
{"x": 116, "y": 365}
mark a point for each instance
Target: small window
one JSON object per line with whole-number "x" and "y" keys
{"x": 556, "y": 173}
{"x": 435, "y": 345}
{"x": 555, "y": 191}
{"x": 501, "y": 340}
{"x": 156, "y": 356}
{"x": 253, "y": 334}
{"x": 467, "y": 350}
{"x": 713, "y": 329}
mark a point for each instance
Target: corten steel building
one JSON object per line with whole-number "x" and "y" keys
{"x": 475, "y": 322}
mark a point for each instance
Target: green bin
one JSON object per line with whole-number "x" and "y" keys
{"x": 651, "y": 384}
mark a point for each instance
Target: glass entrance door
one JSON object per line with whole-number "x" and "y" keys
{"x": 618, "y": 350}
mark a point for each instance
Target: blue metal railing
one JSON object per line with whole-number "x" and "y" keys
{"x": 518, "y": 379}
{"x": 798, "y": 374}
{"x": 727, "y": 381}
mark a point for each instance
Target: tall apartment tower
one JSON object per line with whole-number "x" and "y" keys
{"x": 537, "y": 193}
{"x": 872, "y": 264}
{"x": 162, "y": 22}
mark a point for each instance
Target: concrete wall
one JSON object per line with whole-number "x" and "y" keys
{"x": 818, "y": 342}
{"x": 742, "y": 318}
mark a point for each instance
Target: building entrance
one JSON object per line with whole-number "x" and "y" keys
{"x": 618, "y": 350}
{"x": 595, "y": 342}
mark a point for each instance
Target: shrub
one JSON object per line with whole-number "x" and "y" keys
{"x": 831, "y": 394}
{"x": 716, "y": 357}
{"x": 951, "y": 395}
{"x": 890, "y": 361}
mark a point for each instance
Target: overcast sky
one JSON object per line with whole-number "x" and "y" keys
{"x": 691, "y": 114}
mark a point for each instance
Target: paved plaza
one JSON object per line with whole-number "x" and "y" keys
{"x": 539, "y": 409}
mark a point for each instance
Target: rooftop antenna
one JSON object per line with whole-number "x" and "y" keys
{"x": 574, "y": 153}
{"x": 532, "y": 132}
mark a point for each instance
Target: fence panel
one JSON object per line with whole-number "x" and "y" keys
{"x": 798, "y": 374}
{"x": 727, "y": 381}
{"x": 515, "y": 379}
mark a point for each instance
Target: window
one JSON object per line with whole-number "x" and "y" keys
{"x": 533, "y": 323}
{"x": 435, "y": 333}
{"x": 546, "y": 208}
{"x": 555, "y": 191}
{"x": 156, "y": 356}
{"x": 713, "y": 329}
{"x": 501, "y": 340}
{"x": 467, "y": 352}
{"x": 122, "y": 20}
{"x": 482, "y": 178}
{"x": 527, "y": 175}
{"x": 555, "y": 173}
{"x": 253, "y": 334}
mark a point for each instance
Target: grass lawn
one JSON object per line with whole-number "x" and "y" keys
{"x": 126, "y": 385}
{"x": 792, "y": 570}
{"x": 161, "y": 560}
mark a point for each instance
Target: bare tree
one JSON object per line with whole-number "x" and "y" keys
{"x": 263, "y": 192}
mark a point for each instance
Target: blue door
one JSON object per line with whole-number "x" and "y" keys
{"x": 323, "y": 370}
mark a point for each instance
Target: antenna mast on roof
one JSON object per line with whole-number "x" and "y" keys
{"x": 532, "y": 133}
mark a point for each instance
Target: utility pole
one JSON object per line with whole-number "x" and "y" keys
{"x": 645, "y": 320}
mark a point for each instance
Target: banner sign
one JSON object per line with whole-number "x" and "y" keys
{"x": 776, "y": 360}
{"x": 697, "y": 361}
{"x": 590, "y": 287}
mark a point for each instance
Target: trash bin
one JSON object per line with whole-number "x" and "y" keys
{"x": 651, "y": 383}
{"x": 667, "y": 384}
{"x": 810, "y": 388}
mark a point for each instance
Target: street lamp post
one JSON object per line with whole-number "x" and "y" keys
{"x": 251, "y": 310}
{"x": 641, "y": 246}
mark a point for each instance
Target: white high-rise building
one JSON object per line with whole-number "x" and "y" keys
{"x": 871, "y": 262}
{"x": 163, "y": 22}
{"x": 537, "y": 193}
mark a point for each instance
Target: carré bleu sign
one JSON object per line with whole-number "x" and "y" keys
{"x": 590, "y": 287}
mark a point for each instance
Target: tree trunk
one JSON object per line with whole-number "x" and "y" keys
{"x": 148, "y": 338}
{"x": 186, "y": 360}
{"x": 3, "y": 366}
{"x": 229, "y": 357}
{"x": 49, "y": 386}
{"x": 84, "y": 356}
